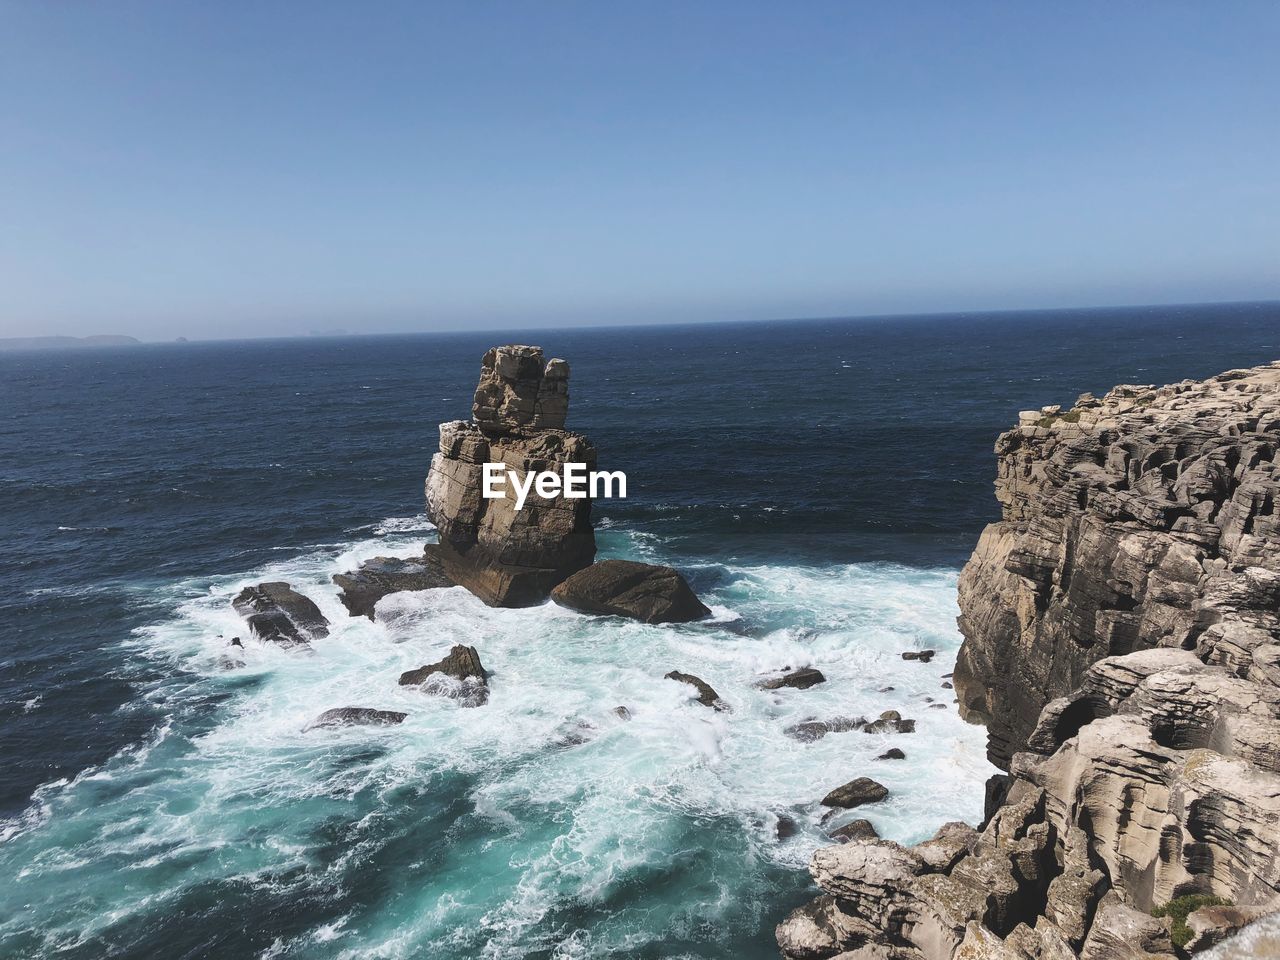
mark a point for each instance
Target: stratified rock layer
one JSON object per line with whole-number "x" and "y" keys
{"x": 1122, "y": 642}
{"x": 510, "y": 557}
{"x": 374, "y": 579}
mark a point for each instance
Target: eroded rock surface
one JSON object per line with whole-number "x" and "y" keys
{"x": 356, "y": 716}
{"x": 626, "y": 588}
{"x": 459, "y": 675}
{"x": 363, "y": 587}
{"x": 1122, "y": 643}
{"x": 276, "y": 613}
{"x": 510, "y": 557}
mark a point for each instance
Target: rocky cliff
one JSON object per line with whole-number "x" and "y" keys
{"x": 510, "y": 557}
{"x": 1122, "y": 644}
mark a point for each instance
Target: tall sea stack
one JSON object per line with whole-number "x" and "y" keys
{"x": 1122, "y": 645}
{"x": 509, "y": 557}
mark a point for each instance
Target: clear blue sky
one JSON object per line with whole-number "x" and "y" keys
{"x": 243, "y": 168}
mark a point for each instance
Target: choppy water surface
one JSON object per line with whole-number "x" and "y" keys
{"x": 819, "y": 483}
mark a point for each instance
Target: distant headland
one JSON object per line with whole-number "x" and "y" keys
{"x": 66, "y": 343}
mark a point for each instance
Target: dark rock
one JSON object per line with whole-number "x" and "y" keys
{"x": 892, "y": 753}
{"x": 946, "y": 685}
{"x": 459, "y": 675}
{"x": 886, "y": 689}
{"x": 706, "y": 694}
{"x": 801, "y": 679}
{"x": 625, "y": 588}
{"x": 890, "y": 722}
{"x": 808, "y": 731}
{"x": 622, "y": 713}
{"x": 351, "y": 716}
{"x": 235, "y": 642}
{"x": 374, "y": 579}
{"x": 276, "y": 613}
{"x": 855, "y": 793}
{"x": 854, "y": 830}
{"x": 924, "y": 656}
{"x": 786, "y": 828}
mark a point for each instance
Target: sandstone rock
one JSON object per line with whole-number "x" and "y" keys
{"x": 374, "y": 579}
{"x": 276, "y": 613}
{"x": 855, "y": 793}
{"x": 351, "y": 716}
{"x": 459, "y": 675}
{"x": 1210, "y": 926}
{"x": 801, "y": 679}
{"x": 890, "y": 722}
{"x": 1122, "y": 642}
{"x": 707, "y": 695}
{"x": 625, "y": 588}
{"x": 510, "y": 557}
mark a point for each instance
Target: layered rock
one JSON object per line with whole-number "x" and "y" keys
{"x": 276, "y": 613}
{"x": 374, "y": 579}
{"x": 1122, "y": 642}
{"x": 510, "y": 557}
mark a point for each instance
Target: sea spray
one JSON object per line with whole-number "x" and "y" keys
{"x": 541, "y": 825}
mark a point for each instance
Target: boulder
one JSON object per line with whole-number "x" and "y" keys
{"x": 801, "y": 679}
{"x": 923, "y": 656}
{"x": 363, "y": 587}
{"x": 855, "y": 793}
{"x": 625, "y": 588}
{"x": 893, "y": 753}
{"x": 276, "y": 613}
{"x": 459, "y": 675}
{"x": 854, "y": 830}
{"x": 352, "y": 716}
{"x": 707, "y": 695}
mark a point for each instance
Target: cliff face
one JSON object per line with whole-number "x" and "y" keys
{"x": 510, "y": 557}
{"x": 1143, "y": 519}
{"x": 1122, "y": 643}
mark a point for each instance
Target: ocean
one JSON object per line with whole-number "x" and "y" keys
{"x": 820, "y": 483}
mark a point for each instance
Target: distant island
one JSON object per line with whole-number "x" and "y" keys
{"x": 66, "y": 343}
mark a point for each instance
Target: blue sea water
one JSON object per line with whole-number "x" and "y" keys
{"x": 819, "y": 482}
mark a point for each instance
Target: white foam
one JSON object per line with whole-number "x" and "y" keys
{"x": 241, "y": 768}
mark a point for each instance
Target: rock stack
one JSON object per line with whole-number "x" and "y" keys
{"x": 1122, "y": 644}
{"x": 509, "y": 557}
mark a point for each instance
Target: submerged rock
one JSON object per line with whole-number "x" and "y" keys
{"x": 509, "y": 557}
{"x": 460, "y": 675}
{"x": 276, "y": 613}
{"x": 924, "y": 656}
{"x": 890, "y": 721}
{"x": 893, "y": 753}
{"x": 707, "y": 695}
{"x": 855, "y": 793}
{"x": 363, "y": 587}
{"x": 808, "y": 731}
{"x": 625, "y": 588}
{"x": 801, "y": 679}
{"x": 351, "y": 716}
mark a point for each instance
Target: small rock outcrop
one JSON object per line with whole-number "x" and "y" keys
{"x": 363, "y": 587}
{"x": 707, "y": 695}
{"x": 356, "y": 716}
{"x": 460, "y": 675}
{"x": 625, "y": 588}
{"x": 801, "y": 679}
{"x": 276, "y": 613}
{"x": 855, "y": 793}
{"x": 1122, "y": 644}
{"x": 509, "y": 557}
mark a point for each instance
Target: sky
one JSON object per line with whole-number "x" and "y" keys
{"x": 275, "y": 168}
